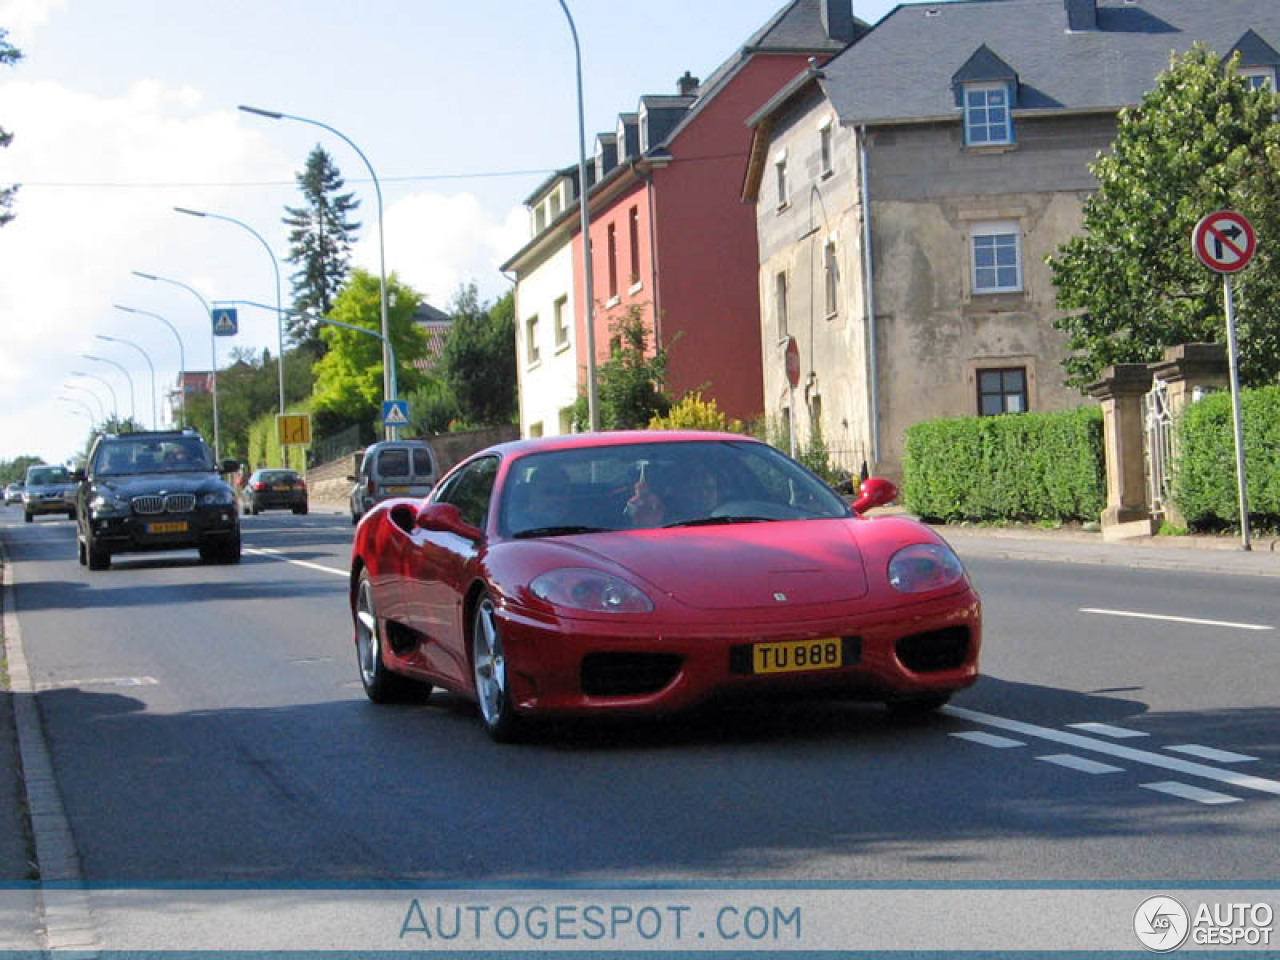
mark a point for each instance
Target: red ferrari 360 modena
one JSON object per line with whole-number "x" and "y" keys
{"x": 645, "y": 572}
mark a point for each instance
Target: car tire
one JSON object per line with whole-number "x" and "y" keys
{"x": 355, "y": 518}
{"x": 98, "y": 558}
{"x": 489, "y": 673}
{"x": 380, "y": 684}
{"x": 71, "y": 514}
{"x": 301, "y": 511}
{"x": 28, "y": 517}
{"x": 82, "y": 554}
{"x": 919, "y": 707}
{"x": 255, "y": 509}
{"x": 224, "y": 552}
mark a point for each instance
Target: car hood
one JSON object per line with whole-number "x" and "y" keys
{"x": 142, "y": 484}
{"x": 740, "y": 566}
{"x": 38, "y": 489}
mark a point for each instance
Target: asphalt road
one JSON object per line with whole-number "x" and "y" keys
{"x": 206, "y": 724}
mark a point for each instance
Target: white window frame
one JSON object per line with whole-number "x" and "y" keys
{"x": 985, "y": 231}
{"x": 561, "y": 329}
{"x": 987, "y": 88}
{"x": 780, "y": 176}
{"x": 831, "y": 275}
{"x": 532, "y": 354}
{"x": 1264, "y": 77}
{"x": 826, "y": 148}
{"x": 781, "y": 305}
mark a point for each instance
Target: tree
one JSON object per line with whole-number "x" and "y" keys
{"x": 320, "y": 238}
{"x": 9, "y": 54}
{"x": 348, "y": 378}
{"x": 1200, "y": 141}
{"x": 478, "y": 363}
{"x": 631, "y": 385}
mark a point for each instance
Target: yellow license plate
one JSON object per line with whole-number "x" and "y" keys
{"x": 179, "y": 526}
{"x": 793, "y": 656}
{"x": 281, "y": 489}
{"x": 397, "y": 490}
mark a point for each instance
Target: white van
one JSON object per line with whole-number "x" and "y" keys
{"x": 392, "y": 468}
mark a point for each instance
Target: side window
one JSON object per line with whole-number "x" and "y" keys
{"x": 422, "y": 462}
{"x": 470, "y": 490}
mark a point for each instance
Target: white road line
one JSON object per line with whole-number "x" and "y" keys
{"x": 1160, "y": 616}
{"x": 1106, "y": 730}
{"x": 100, "y": 682}
{"x": 1080, "y": 763}
{"x": 1209, "y": 753}
{"x": 988, "y": 739}
{"x": 279, "y": 555}
{"x": 1188, "y": 792}
{"x": 1184, "y": 767}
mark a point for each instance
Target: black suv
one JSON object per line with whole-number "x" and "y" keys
{"x": 155, "y": 491}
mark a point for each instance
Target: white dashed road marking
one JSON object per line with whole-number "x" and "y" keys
{"x": 1209, "y": 753}
{"x": 280, "y": 555}
{"x": 1188, "y": 792}
{"x": 1075, "y": 740}
{"x": 988, "y": 739}
{"x": 1169, "y": 619}
{"x": 1106, "y": 730}
{"x": 1080, "y": 763}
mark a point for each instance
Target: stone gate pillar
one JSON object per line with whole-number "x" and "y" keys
{"x": 1120, "y": 392}
{"x": 1186, "y": 368}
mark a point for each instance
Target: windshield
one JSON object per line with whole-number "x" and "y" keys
{"x": 648, "y": 485}
{"x": 151, "y": 455}
{"x": 45, "y": 476}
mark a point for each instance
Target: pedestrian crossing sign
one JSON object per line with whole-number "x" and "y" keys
{"x": 224, "y": 322}
{"x": 395, "y": 413}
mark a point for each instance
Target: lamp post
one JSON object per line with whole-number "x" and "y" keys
{"x": 133, "y": 410}
{"x": 593, "y": 415}
{"x": 88, "y": 409}
{"x": 102, "y": 411}
{"x": 155, "y": 423}
{"x": 388, "y": 366}
{"x": 115, "y": 407}
{"x": 275, "y": 265}
{"x": 182, "y": 357}
{"x": 213, "y": 349}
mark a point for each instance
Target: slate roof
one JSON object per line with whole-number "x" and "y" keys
{"x": 904, "y": 68}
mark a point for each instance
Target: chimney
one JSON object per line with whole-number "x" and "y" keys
{"x": 837, "y": 20}
{"x": 687, "y": 85}
{"x": 1081, "y": 15}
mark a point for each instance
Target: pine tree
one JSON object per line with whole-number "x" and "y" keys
{"x": 320, "y": 241}
{"x": 8, "y": 54}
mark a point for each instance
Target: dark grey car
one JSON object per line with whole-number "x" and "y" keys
{"x": 48, "y": 490}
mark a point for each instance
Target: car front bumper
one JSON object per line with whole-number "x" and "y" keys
{"x": 35, "y": 506}
{"x": 592, "y": 666}
{"x": 168, "y": 531}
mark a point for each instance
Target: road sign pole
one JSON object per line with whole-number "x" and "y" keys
{"x": 1235, "y": 415}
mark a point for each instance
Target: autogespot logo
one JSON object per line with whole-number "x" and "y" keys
{"x": 1161, "y": 924}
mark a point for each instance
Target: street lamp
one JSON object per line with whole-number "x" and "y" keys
{"x": 213, "y": 349}
{"x": 388, "y": 366}
{"x": 182, "y": 356}
{"x": 88, "y": 409}
{"x": 133, "y": 410}
{"x": 275, "y": 265}
{"x": 593, "y": 415}
{"x": 155, "y": 424}
{"x": 115, "y": 407}
{"x": 102, "y": 411}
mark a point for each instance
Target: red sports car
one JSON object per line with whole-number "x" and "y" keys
{"x": 645, "y": 572}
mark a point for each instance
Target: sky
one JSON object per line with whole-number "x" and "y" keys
{"x": 123, "y": 109}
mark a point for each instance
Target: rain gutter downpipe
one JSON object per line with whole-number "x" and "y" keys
{"x": 869, "y": 283}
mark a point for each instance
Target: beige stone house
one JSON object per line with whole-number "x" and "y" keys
{"x": 908, "y": 192}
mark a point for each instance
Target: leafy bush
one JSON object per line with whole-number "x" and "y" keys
{"x": 1025, "y": 467}
{"x": 1204, "y": 483}
{"x": 694, "y": 413}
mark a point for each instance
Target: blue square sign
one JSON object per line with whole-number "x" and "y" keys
{"x": 225, "y": 323}
{"x": 395, "y": 413}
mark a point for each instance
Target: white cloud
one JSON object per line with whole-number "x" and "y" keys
{"x": 23, "y": 17}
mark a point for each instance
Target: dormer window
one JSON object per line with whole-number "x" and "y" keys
{"x": 1259, "y": 77}
{"x": 986, "y": 114}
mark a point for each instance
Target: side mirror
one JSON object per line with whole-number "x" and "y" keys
{"x": 446, "y": 518}
{"x": 229, "y": 466}
{"x": 874, "y": 492}
{"x": 77, "y": 476}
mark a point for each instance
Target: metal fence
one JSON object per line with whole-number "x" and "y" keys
{"x": 336, "y": 445}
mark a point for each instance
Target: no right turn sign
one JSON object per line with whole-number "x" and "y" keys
{"x": 1224, "y": 241}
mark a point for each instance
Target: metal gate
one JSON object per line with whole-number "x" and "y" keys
{"x": 1158, "y": 446}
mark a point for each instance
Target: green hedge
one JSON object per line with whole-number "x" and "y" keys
{"x": 1204, "y": 483}
{"x": 264, "y": 442}
{"x": 1025, "y": 467}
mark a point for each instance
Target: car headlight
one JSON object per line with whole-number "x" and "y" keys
{"x": 105, "y": 503}
{"x": 578, "y": 588}
{"x": 217, "y": 498}
{"x": 924, "y": 566}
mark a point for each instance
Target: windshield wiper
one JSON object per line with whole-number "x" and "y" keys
{"x": 717, "y": 521}
{"x": 559, "y": 531}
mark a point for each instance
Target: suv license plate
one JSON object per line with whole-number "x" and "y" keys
{"x": 178, "y": 526}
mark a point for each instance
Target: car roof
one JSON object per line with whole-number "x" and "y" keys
{"x": 613, "y": 438}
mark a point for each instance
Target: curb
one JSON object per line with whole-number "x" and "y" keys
{"x": 66, "y": 920}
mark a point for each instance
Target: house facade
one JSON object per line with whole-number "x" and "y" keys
{"x": 671, "y": 241}
{"x": 908, "y": 193}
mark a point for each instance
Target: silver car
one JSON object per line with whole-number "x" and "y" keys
{"x": 48, "y": 490}
{"x": 392, "y": 468}
{"x": 13, "y": 493}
